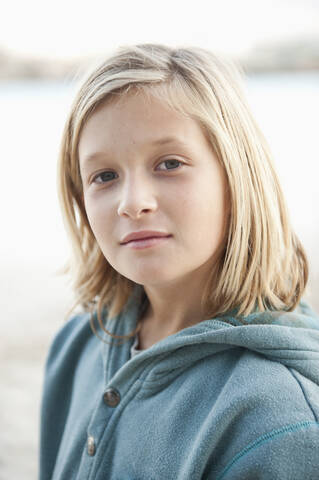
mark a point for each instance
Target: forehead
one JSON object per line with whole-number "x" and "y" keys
{"x": 137, "y": 120}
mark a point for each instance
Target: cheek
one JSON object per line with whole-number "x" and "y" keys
{"x": 99, "y": 217}
{"x": 203, "y": 211}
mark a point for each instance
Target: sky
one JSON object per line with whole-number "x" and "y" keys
{"x": 76, "y": 28}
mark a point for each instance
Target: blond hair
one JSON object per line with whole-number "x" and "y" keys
{"x": 261, "y": 262}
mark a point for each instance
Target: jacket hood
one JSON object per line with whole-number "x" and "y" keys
{"x": 291, "y": 338}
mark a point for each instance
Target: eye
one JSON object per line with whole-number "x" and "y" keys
{"x": 104, "y": 176}
{"x": 171, "y": 163}
{"x": 107, "y": 175}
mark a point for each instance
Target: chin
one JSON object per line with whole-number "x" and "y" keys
{"x": 152, "y": 278}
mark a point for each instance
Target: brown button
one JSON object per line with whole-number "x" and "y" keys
{"x": 91, "y": 446}
{"x": 111, "y": 397}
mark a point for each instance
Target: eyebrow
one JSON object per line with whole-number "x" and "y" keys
{"x": 163, "y": 141}
{"x": 159, "y": 141}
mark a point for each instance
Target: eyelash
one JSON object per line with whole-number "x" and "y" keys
{"x": 109, "y": 171}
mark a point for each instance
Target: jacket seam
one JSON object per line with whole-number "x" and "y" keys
{"x": 267, "y": 437}
{"x": 304, "y": 394}
{"x": 281, "y": 349}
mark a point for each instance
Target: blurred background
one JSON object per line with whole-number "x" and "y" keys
{"x": 44, "y": 49}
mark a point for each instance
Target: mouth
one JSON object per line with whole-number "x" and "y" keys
{"x": 147, "y": 242}
{"x": 142, "y": 234}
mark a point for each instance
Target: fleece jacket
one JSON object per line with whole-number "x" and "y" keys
{"x": 230, "y": 398}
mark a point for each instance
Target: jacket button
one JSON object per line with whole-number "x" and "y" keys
{"x": 111, "y": 397}
{"x": 91, "y": 446}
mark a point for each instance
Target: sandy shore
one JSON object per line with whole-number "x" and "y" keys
{"x": 34, "y": 305}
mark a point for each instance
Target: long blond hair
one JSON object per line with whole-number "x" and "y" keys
{"x": 261, "y": 262}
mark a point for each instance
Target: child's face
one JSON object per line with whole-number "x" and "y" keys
{"x": 146, "y": 188}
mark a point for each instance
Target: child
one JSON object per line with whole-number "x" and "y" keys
{"x": 195, "y": 356}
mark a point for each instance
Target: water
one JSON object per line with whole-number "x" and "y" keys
{"x": 33, "y": 242}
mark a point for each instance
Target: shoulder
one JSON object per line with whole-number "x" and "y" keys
{"x": 278, "y": 392}
{"x": 74, "y": 350}
{"x": 269, "y": 417}
{"x": 69, "y": 340}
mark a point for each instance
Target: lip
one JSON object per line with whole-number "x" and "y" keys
{"x": 142, "y": 234}
{"x": 146, "y": 243}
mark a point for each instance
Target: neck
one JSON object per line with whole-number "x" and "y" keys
{"x": 171, "y": 308}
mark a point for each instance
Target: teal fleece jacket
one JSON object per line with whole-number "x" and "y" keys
{"x": 228, "y": 398}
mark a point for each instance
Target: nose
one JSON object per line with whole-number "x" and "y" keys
{"x": 137, "y": 197}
